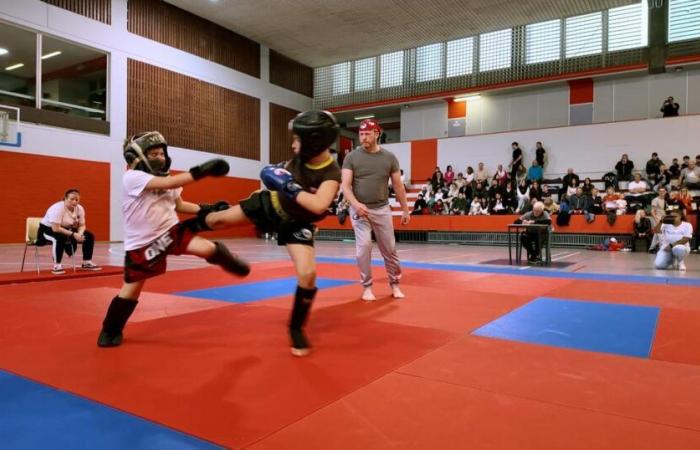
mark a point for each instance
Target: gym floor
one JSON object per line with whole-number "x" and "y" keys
{"x": 600, "y": 351}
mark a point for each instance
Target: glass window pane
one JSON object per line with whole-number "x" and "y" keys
{"x": 584, "y": 35}
{"x": 543, "y": 41}
{"x": 460, "y": 57}
{"x": 73, "y": 79}
{"x": 364, "y": 74}
{"x": 683, "y": 20}
{"x": 495, "y": 50}
{"x": 17, "y": 66}
{"x": 429, "y": 62}
{"x": 627, "y": 27}
{"x": 391, "y": 69}
{"x": 341, "y": 78}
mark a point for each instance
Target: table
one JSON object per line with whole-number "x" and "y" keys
{"x": 517, "y": 228}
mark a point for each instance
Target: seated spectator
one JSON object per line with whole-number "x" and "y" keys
{"x": 449, "y": 175}
{"x": 690, "y": 176}
{"x": 476, "y": 208}
{"x": 500, "y": 178}
{"x": 535, "y": 173}
{"x": 659, "y": 205}
{"x": 437, "y": 181}
{"x": 596, "y": 202}
{"x": 697, "y": 160}
{"x": 453, "y": 190}
{"x": 470, "y": 176}
{"x": 675, "y": 168}
{"x": 64, "y": 226}
{"x": 460, "y": 182}
{"x": 638, "y": 192}
{"x": 566, "y": 181}
{"x": 531, "y": 239}
{"x": 654, "y": 167}
{"x": 675, "y": 242}
{"x": 686, "y": 160}
{"x": 571, "y": 189}
{"x": 541, "y": 155}
{"x": 670, "y": 108}
{"x": 522, "y": 195}
{"x": 535, "y": 191}
{"x": 587, "y": 186}
{"x": 612, "y": 203}
{"x": 642, "y": 230}
{"x": 510, "y": 198}
{"x": 420, "y": 206}
{"x": 686, "y": 202}
{"x": 480, "y": 191}
{"x": 663, "y": 179}
{"x": 497, "y": 206}
{"x": 482, "y": 175}
{"x": 581, "y": 204}
{"x": 439, "y": 208}
{"x": 431, "y": 202}
{"x": 550, "y": 206}
{"x": 459, "y": 205}
{"x": 624, "y": 168}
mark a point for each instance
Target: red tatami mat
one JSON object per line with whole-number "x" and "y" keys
{"x": 226, "y": 374}
{"x": 678, "y": 337}
{"x": 30, "y": 275}
{"x": 643, "y": 389}
{"x": 411, "y": 413}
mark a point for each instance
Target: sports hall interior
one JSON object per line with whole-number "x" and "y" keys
{"x": 595, "y": 348}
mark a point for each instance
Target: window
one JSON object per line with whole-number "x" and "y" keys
{"x": 73, "y": 79}
{"x": 584, "y": 35}
{"x": 543, "y": 42}
{"x": 628, "y": 27}
{"x": 429, "y": 62}
{"x": 460, "y": 57}
{"x": 341, "y": 78}
{"x": 364, "y": 74}
{"x": 683, "y": 20}
{"x": 17, "y": 66}
{"x": 391, "y": 69}
{"x": 495, "y": 50}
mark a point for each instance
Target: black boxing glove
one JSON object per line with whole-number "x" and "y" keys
{"x": 212, "y": 168}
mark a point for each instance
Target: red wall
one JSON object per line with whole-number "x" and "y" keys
{"x": 34, "y": 182}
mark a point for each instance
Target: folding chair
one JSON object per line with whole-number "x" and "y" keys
{"x": 31, "y": 236}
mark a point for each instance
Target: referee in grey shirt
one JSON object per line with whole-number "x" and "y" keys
{"x": 366, "y": 174}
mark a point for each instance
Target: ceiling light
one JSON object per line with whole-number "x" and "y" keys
{"x": 468, "y": 98}
{"x": 368, "y": 116}
{"x": 16, "y": 66}
{"x": 51, "y": 55}
{"x": 3, "y": 51}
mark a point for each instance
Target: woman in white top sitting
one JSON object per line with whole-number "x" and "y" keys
{"x": 63, "y": 226}
{"x": 675, "y": 241}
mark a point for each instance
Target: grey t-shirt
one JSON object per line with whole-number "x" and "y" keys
{"x": 370, "y": 175}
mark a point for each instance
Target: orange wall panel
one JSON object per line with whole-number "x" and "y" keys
{"x": 35, "y": 182}
{"x": 423, "y": 159}
{"x": 456, "y": 110}
{"x": 581, "y": 91}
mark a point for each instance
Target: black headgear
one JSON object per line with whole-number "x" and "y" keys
{"x": 135, "y": 150}
{"x": 317, "y": 130}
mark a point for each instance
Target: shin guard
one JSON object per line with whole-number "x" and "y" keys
{"x": 118, "y": 314}
{"x": 303, "y": 298}
{"x": 228, "y": 261}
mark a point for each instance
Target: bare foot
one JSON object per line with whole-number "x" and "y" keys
{"x": 396, "y": 292}
{"x": 368, "y": 295}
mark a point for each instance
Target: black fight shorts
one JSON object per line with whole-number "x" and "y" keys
{"x": 263, "y": 209}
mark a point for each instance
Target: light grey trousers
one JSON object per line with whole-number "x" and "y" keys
{"x": 380, "y": 221}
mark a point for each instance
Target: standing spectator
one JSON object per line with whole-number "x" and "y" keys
{"x": 535, "y": 173}
{"x": 541, "y": 155}
{"x": 690, "y": 176}
{"x": 624, "y": 168}
{"x": 675, "y": 242}
{"x": 365, "y": 178}
{"x": 670, "y": 108}
{"x": 482, "y": 175}
{"x": 659, "y": 205}
{"x": 516, "y": 163}
{"x": 64, "y": 226}
{"x": 654, "y": 167}
{"x": 449, "y": 175}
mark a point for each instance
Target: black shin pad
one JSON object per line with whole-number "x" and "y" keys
{"x": 229, "y": 262}
{"x": 118, "y": 314}
{"x": 303, "y": 298}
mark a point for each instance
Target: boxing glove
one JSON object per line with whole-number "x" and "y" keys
{"x": 212, "y": 168}
{"x": 280, "y": 180}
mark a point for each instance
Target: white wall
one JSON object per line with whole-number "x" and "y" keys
{"x": 424, "y": 121}
{"x": 590, "y": 149}
{"x": 121, "y": 45}
{"x": 402, "y": 150}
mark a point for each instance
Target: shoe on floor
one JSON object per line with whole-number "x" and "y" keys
{"x": 58, "y": 270}
{"x": 90, "y": 266}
